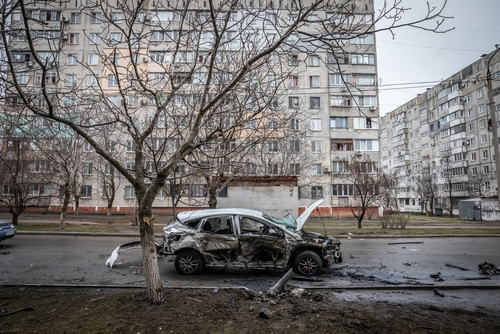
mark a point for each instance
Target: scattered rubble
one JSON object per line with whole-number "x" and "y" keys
{"x": 437, "y": 277}
{"x": 488, "y": 268}
{"x": 438, "y": 292}
{"x": 265, "y": 313}
{"x": 455, "y": 266}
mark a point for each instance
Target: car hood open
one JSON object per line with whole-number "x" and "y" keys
{"x": 301, "y": 220}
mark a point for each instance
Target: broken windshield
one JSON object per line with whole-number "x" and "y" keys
{"x": 288, "y": 221}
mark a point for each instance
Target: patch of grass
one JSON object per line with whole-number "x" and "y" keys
{"x": 403, "y": 232}
{"x": 77, "y": 228}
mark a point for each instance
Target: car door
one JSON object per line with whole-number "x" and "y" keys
{"x": 261, "y": 242}
{"x": 216, "y": 234}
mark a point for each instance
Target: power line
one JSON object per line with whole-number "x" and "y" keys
{"x": 432, "y": 47}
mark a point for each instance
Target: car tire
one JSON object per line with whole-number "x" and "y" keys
{"x": 189, "y": 262}
{"x": 307, "y": 263}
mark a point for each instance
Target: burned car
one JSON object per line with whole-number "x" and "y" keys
{"x": 243, "y": 238}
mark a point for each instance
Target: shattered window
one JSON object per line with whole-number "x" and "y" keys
{"x": 219, "y": 225}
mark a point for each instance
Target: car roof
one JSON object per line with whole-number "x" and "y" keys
{"x": 198, "y": 214}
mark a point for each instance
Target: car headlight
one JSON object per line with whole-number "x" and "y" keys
{"x": 12, "y": 226}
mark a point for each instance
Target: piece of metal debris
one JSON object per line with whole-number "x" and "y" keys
{"x": 216, "y": 289}
{"x": 455, "y": 266}
{"x": 488, "y": 268}
{"x": 437, "y": 277}
{"x": 406, "y": 242}
{"x": 407, "y": 264}
{"x": 438, "y": 292}
{"x": 305, "y": 278}
{"x": 265, "y": 313}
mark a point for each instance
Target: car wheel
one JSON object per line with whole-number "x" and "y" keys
{"x": 307, "y": 263}
{"x": 189, "y": 262}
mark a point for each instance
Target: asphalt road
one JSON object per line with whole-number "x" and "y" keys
{"x": 59, "y": 259}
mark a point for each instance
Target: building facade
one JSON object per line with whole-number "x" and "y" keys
{"x": 440, "y": 144}
{"x": 99, "y": 57}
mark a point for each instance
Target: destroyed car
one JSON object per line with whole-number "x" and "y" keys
{"x": 7, "y": 229}
{"x": 243, "y": 238}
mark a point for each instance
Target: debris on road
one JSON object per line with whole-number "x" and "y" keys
{"x": 455, "y": 266}
{"x": 438, "y": 292}
{"x": 437, "y": 277}
{"x": 407, "y": 264}
{"x": 406, "y": 243}
{"x": 488, "y": 268}
{"x": 265, "y": 313}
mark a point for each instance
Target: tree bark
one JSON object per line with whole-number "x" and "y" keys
{"x": 15, "y": 219}
{"x": 64, "y": 210}
{"x": 154, "y": 286}
{"x": 212, "y": 198}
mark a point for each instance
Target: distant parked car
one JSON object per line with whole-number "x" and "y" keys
{"x": 7, "y": 230}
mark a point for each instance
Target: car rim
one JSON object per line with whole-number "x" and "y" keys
{"x": 188, "y": 264}
{"x": 308, "y": 266}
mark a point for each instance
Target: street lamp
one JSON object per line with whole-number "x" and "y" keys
{"x": 494, "y": 128}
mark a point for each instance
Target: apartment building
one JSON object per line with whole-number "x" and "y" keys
{"x": 443, "y": 139}
{"x": 95, "y": 49}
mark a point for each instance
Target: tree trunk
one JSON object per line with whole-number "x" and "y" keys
{"x": 77, "y": 205}
{"x": 64, "y": 210}
{"x": 15, "y": 219}
{"x": 212, "y": 198}
{"x": 154, "y": 286}
{"x": 109, "y": 210}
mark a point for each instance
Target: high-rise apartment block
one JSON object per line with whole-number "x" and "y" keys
{"x": 111, "y": 57}
{"x": 440, "y": 145}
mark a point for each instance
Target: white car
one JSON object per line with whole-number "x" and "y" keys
{"x": 243, "y": 238}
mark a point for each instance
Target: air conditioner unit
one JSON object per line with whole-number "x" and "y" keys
{"x": 344, "y": 89}
{"x": 358, "y": 153}
{"x": 373, "y": 108}
{"x": 65, "y": 37}
{"x": 463, "y": 100}
{"x": 145, "y": 59}
{"x": 65, "y": 20}
{"x": 146, "y": 18}
{"x": 29, "y": 64}
{"x": 326, "y": 170}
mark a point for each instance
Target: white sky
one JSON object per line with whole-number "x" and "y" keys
{"x": 415, "y": 55}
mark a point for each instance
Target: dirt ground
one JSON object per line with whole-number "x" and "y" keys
{"x": 72, "y": 310}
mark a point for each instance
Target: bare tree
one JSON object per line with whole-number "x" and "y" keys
{"x": 362, "y": 183}
{"x": 426, "y": 186}
{"x": 25, "y": 177}
{"x": 205, "y": 59}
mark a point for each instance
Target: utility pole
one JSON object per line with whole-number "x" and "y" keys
{"x": 494, "y": 129}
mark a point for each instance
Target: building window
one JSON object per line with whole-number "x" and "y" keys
{"x": 95, "y": 17}
{"x": 86, "y": 192}
{"x": 483, "y": 139}
{"x": 341, "y": 144}
{"x": 486, "y": 169}
{"x": 479, "y": 93}
{"x": 471, "y": 127}
{"x": 295, "y": 124}
{"x": 91, "y": 80}
{"x": 316, "y": 146}
{"x": 22, "y": 78}
{"x": 484, "y": 154}
{"x": 116, "y": 17}
{"x": 70, "y": 80}
{"x": 314, "y": 81}
{"x": 73, "y": 59}
{"x": 316, "y": 192}
{"x": 340, "y": 167}
{"x": 272, "y": 124}
{"x": 342, "y": 190}
{"x": 338, "y": 122}
{"x": 129, "y": 192}
{"x": 294, "y": 169}
{"x": 94, "y": 38}
{"x": 273, "y": 169}
{"x": 473, "y": 156}
{"x": 316, "y": 169}
{"x": 112, "y": 81}
{"x": 315, "y": 102}
{"x": 74, "y": 38}
{"x": 293, "y": 81}
{"x": 75, "y": 18}
{"x": 315, "y": 124}
{"x": 115, "y": 38}
{"x": 366, "y": 144}
{"x": 87, "y": 168}
{"x": 338, "y": 79}
{"x": 272, "y": 146}
{"x": 293, "y": 102}
{"x": 295, "y": 145}
{"x": 481, "y": 108}
{"x": 487, "y": 186}
{"x": 313, "y": 60}
{"x": 114, "y": 58}
{"x": 92, "y": 59}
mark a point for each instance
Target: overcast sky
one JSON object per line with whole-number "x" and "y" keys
{"x": 416, "y": 56}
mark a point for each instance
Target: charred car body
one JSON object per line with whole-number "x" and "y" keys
{"x": 243, "y": 238}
